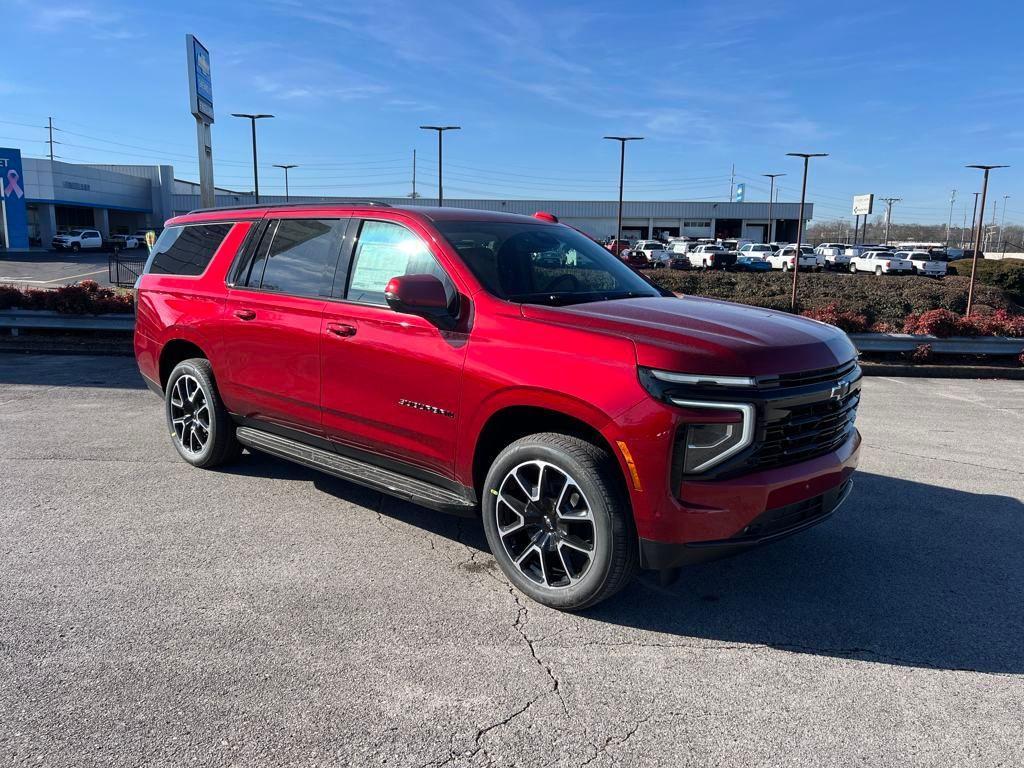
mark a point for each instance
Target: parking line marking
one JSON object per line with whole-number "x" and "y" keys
{"x": 57, "y": 280}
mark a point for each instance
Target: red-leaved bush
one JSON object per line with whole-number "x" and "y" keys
{"x": 943, "y": 323}
{"x": 851, "y": 322}
{"x": 922, "y": 354}
{"x": 85, "y": 298}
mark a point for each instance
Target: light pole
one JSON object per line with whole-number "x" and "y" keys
{"x": 974, "y": 215}
{"x": 771, "y": 200}
{"x": 888, "y": 213}
{"x": 949, "y": 224}
{"x": 286, "y": 168}
{"x": 255, "y": 170}
{"x": 622, "y": 170}
{"x": 800, "y": 222}
{"x": 977, "y": 233}
{"x": 440, "y": 150}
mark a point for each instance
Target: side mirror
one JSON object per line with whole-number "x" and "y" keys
{"x": 421, "y": 295}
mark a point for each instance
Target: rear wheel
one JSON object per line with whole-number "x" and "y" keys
{"x": 201, "y": 429}
{"x": 878, "y": 271}
{"x": 785, "y": 267}
{"x": 558, "y": 522}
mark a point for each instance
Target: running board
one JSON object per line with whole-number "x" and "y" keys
{"x": 356, "y": 471}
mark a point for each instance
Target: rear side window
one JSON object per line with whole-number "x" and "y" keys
{"x": 186, "y": 250}
{"x": 295, "y": 256}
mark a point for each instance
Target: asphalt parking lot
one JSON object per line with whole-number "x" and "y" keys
{"x": 52, "y": 269}
{"x": 154, "y": 614}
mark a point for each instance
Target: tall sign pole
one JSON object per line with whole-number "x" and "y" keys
{"x": 800, "y": 222}
{"x": 200, "y": 91}
{"x": 977, "y": 232}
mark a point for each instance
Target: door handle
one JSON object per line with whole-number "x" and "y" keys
{"x": 341, "y": 329}
{"x": 245, "y": 314}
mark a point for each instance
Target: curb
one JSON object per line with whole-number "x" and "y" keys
{"x": 942, "y": 371}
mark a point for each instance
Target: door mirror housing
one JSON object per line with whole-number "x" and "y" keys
{"x": 422, "y": 295}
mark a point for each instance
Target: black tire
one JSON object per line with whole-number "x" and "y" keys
{"x": 220, "y": 445}
{"x": 878, "y": 271}
{"x": 75, "y": 247}
{"x": 785, "y": 267}
{"x": 853, "y": 268}
{"x": 614, "y": 558}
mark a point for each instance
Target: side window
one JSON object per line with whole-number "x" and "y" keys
{"x": 385, "y": 250}
{"x": 186, "y": 250}
{"x": 299, "y": 253}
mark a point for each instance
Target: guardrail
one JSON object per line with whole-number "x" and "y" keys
{"x": 954, "y": 345}
{"x": 16, "y": 319}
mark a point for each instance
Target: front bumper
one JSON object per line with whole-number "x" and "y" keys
{"x": 771, "y": 525}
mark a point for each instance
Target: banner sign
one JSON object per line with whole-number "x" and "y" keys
{"x": 12, "y": 193}
{"x": 200, "y": 81}
{"x": 863, "y": 205}
{"x": 741, "y": 192}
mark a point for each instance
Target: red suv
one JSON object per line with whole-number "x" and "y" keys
{"x": 499, "y": 366}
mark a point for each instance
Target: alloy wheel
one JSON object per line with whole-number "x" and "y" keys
{"x": 546, "y": 524}
{"x": 190, "y": 414}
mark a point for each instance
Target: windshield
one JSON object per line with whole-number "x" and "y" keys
{"x": 541, "y": 263}
{"x": 75, "y": 232}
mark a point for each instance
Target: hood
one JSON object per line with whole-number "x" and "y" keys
{"x": 695, "y": 335}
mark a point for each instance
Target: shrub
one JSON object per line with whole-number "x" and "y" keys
{"x": 10, "y": 297}
{"x": 922, "y": 354}
{"x": 935, "y": 322}
{"x": 1007, "y": 274}
{"x": 85, "y": 298}
{"x": 881, "y": 326}
{"x": 848, "y": 321}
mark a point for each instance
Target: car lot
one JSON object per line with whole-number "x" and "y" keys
{"x": 52, "y": 269}
{"x": 155, "y": 614}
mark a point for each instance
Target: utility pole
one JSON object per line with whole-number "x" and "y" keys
{"x": 963, "y": 229}
{"x": 413, "y": 196}
{"x": 888, "y": 213}
{"x": 974, "y": 216}
{"x": 622, "y": 172}
{"x": 50, "y": 141}
{"x": 286, "y": 168}
{"x": 1002, "y": 224}
{"x": 732, "y": 181}
{"x": 255, "y": 169}
{"x": 800, "y": 222}
{"x": 977, "y": 234}
{"x": 771, "y": 202}
{"x": 440, "y": 150}
{"x": 949, "y": 223}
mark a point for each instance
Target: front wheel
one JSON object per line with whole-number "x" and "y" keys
{"x": 558, "y": 522}
{"x": 75, "y": 247}
{"x": 200, "y": 426}
{"x": 853, "y": 269}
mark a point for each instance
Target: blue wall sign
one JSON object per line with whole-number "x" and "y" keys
{"x": 12, "y": 189}
{"x": 741, "y": 192}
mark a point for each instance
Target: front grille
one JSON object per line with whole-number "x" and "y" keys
{"x": 795, "y": 433}
{"x": 805, "y": 378}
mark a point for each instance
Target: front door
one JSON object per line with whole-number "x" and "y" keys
{"x": 272, "y": 322}
{"x": 391, "y": 382}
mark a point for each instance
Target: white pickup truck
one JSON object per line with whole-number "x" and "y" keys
{"x": 923, "y": 263}
{"x": 77, "y": 240}
{"x": 881, "y": 263}
{"x": 835, "y": 254}
{"x": 784, "y": 257}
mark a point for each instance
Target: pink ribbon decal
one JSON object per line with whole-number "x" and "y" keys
{"x": 13, "y": 189}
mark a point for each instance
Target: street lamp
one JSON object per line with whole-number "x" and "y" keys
{"x": 286, "y": 168}
{"x": 622, "y": 169}
{"x": 771, "y": 200}
{"x": 440, "y": 132}
{"x": 255, "y": 172}
{"x": 977, "y": 233}
{"x": 800, "y": 223}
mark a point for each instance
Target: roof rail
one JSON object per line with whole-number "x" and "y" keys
{"x": 322, "y": 204}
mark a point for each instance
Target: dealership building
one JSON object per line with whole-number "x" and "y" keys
{"x": 44, "y": 196}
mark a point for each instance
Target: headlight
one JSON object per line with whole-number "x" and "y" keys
{"x": 709, "y": 444}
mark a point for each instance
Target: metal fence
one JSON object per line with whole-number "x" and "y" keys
{"x": 124, "y": 270}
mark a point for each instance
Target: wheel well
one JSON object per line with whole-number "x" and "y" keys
{"x": 510, "y": 424}
{"x": 173, "y": 353}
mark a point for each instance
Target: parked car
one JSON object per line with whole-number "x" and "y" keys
{"x": 760, "y": 250}
{"x": 617, "y": 246}
{"x": 710, "y": 256}
{"x": 77, "y": 240}
{"x": 734, "y": 244}
{"x": 923, "y": 263}
{"x": 881, "y": 263}
{"x": 834, "y": 255}
{"x": 584, "y": 426}
{"x": 127, "y": 242}
{"x": 752, "y": 264}
{"x": 653, "y": 252}
{"x": 783, "y": 259}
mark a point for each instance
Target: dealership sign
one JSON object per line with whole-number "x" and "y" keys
{"x": 863, "y": 205}
{"x": 200, "y": 81}
{"x": 12, "y": 200}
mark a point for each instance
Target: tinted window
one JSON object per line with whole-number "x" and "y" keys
{"x": 186, "y": 250}
{"x": 541, "y": 263}
{"x": 299, "y": 252}
{"x": 385, "y": 250}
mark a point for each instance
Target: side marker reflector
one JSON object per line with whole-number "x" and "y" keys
{"x": 629, "y": 463}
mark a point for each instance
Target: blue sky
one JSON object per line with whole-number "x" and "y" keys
{"x": 897, "y": 92}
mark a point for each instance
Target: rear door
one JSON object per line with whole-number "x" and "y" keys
{"x": 275, "y": 299}
{"x": 391, "y": 382}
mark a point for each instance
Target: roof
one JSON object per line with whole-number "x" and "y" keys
{"x": 431, "y": 213}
